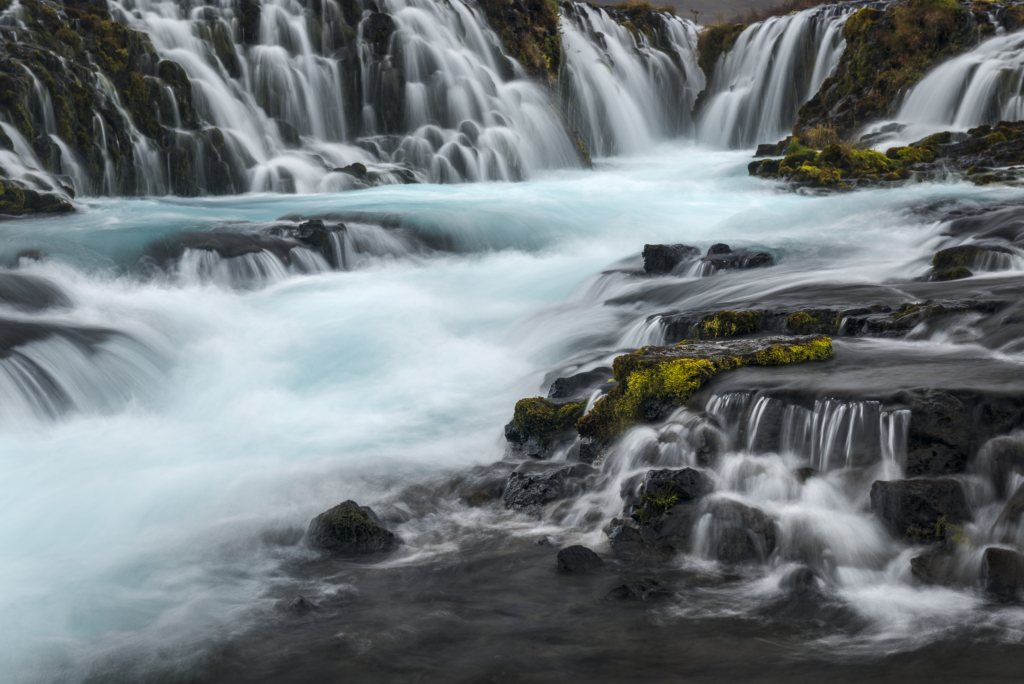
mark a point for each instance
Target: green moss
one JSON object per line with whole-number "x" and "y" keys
{"x": 350, "y": 528}
{"x": 953, "y": 257}
{"x": 530, "y": 31}
{"x": 728, "y": 324}
{"x": 814, "y": 322}
{"x": 715, "y": 41}
{"x": 957, "y": 273}
{"x": 669, "y": 376}
{"x": 544, "y": 419}
{"x": 943, "y": 530}
{"x": 654, "y": 504}
{"x": 819, "y": 177}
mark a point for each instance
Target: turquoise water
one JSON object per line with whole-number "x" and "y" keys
{"x": 141, "y": 523}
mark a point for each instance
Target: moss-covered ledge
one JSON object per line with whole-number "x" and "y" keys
{"x": 531, "y": 32}
{"x": 655, "y": 377}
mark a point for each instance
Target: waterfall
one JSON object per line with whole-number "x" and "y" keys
{"x": 618, "y": 89}
{"x": 288, "y": 95}
{"x": 982, "y": 86}
{"x": 775, "y": 67}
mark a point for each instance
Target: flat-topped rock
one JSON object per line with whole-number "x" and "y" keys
{"x": 654, "y": 380}
{"x": 350, "y": 529}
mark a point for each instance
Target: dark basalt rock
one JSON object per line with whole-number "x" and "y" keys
{"x": 349, "y": 528}
{"x": 934, "y": 566}
{"x": 642, "y": 590}
{"x": 625, "y": 541}
{"x": 1003, "y": 573}
{"x": 534, "y": 485}
{"x": 315, "y": 234}
{"x": 484, "y": 484}
{"x": 740, "y": 533}
{"x": 920, "y": 509}
{"x": 661, "y": 259}
{"x": 663, "y": 489}
{"x": 539, "y": 425}
{"x": 939, "y": 441}
{"x": 721, "y": 257}
{"x": 581, "y": 385}
{"x": 30, "y": 293}
{"x": 356, "y": 170}
{"x": 578, "y": 560}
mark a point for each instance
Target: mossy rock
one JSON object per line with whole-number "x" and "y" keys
{"x": 714, "y": 41}
{"x": 953, "y": 257}
{"x": 728, "y": 324}
{"x": 530, "y": 31}
{"x": 350, "y": 529}
{"x": 655, "y": 377}
{"x": 543, "y": 419}
{"x": 957, "y": 273}
{"x": 810, "y": 322}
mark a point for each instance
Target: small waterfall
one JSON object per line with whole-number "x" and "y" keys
{"x": 620, "y": 91}
{"x": 772, "y": 70}
{"x": 982, "y": 86}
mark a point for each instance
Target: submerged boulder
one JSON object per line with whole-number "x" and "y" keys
{"x": 350, "y": 529}
{"x": 1003, "y": 573}
{"x": 578, "y": 560}
{"x": 921, "y": 509}
{"x": 654, "y": 380}
{"x": 661, "y": 259}
{"x": 641, "y": 590}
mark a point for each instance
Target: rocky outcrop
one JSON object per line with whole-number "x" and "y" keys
{"x": 530, "y": 31}
{"x": 722, "y": 257}
{"x": 349, "y": 528}
{"x": 664, "y": 489}
{"x": 738, "y": 533}
{"x": 653, "y": 380}
{"x": 888, "y": 50}
{"x": 923, "y": 510}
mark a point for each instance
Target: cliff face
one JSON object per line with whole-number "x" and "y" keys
{"x": 888, "y": 50}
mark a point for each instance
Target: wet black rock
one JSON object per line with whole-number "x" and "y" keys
{"x": 663, "y": 489}
{"x": 484, "y": 484}
{"x": 578, "y": 560}
{"x": 670, "y": 532}
{"x": 1002, "y": 458}
{"x": 349, "y": 528}
{"x": 300, "y": 605}
{"x": 721, "y": 257}
{"x": 934, "y": 566}
{"x": 939, "y": 441}
{"x": 1003, "y": 573}
{"x": 625, "y": 541}
{"x": 642, "y": 590}
{"x": 920, "y": 509}
{"x": 739, "y": 533}
{"x": 800, "y": 580}
{"x": 356, "y": 170}
{"x": 581, "y": 385}
{"x": 660, "y": 259}
{"x": 534, "y": 485}
{"x": 586, "y": 451}
{"x": 314, "y": 234}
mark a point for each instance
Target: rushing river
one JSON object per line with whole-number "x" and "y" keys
{"x": 151, "y": 514}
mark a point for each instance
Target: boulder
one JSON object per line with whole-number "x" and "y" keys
{"x": 663, "y": 489}
{"x": 625, "y": 541}
{"x": 642, "y": 590}
{"x": 578, "y": 560}
{"x": 921, "y": 509}
{"x": 1003, "y": 573}
{"x": 738, "y": 533}
{"x": 1013, "y": 513}
{"x": 538, "y": 423}
{"x": 534, "y": 485}
{"x": 660, "y": 259}
{"x": 934, "y": 566}
{"x": 581, "y": 385}
{"x": 721, "y": 257}
{"x": 484, "y": 484}
{"x": 671, "y": 531}
{"x": 350, "y": 529}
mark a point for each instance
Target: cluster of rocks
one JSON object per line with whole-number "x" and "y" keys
{"x": 665, "y": 259}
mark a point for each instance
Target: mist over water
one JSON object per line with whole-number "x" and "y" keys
{"x": 157, "y": 508}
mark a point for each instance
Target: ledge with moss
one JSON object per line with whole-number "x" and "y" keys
{"x": 531, "y": 32}
{"x": 985, "y": 155}
{"x": 654, "y": 379}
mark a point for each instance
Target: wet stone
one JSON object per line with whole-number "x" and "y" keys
{"x": 1004, "y": 573}
{"x": 642, "y": 590}
{"x": 349, "y": 528}
{"x": 920, "y": 508}
{"x": 661, "y": 259}
{"x": 578, "y": 560}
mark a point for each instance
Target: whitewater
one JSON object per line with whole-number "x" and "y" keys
{"x": 174, "y": 412}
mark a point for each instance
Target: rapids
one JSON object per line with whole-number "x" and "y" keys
{"x": 186, "y": 382}
{"x": 151, "y": 522}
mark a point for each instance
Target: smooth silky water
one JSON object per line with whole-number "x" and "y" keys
{"x": 153, "y": 523}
